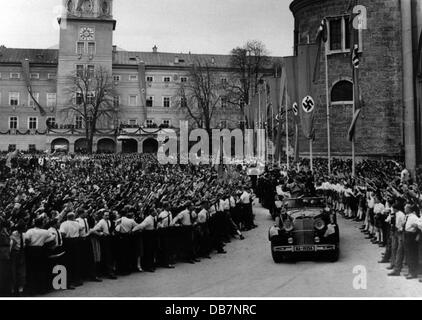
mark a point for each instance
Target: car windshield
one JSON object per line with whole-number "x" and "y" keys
{"x": 305, "y": 202}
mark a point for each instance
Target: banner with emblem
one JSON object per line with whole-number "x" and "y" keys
{"x": 143, "y": 89}
{"x": 306, "y": 96}
{"x": 290, "y": 70}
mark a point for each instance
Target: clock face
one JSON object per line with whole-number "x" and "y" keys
{"x": 87, "y": 34}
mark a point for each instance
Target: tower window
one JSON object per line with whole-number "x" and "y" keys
{"x": 339, "y": 34}
{"x": 80, "y": 48}
{"x": 342, "y": 93}
{"x": 91, "y": 48}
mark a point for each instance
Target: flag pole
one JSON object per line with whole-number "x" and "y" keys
{"x": 328, "y": 111}
{"x": 310, "y": 155}
{"x": 287, "y": 135}
{"x": 353, "y": 112}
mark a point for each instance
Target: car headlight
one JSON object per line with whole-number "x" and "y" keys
{"x": 319, "y": 224}
{"x": 288, "y": 226}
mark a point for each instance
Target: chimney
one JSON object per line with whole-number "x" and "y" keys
{"x": 213, "y": 60}
{"x": 114, "y": 49}
{"x": 155, "y": 49}
{"x": 176, "y": 60}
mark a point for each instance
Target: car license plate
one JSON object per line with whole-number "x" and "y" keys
{"x": 304, "y": 248}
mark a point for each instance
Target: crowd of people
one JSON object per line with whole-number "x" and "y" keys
{"x": 103, "y": 216}
{"x": 382, "y": 196}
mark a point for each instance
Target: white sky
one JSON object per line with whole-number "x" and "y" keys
{"x": 199, "y": 26}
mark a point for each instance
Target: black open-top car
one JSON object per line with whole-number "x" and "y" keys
{"x": 305, "y": 226}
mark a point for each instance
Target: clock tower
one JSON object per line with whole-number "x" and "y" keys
{"x": 86, "y": 41}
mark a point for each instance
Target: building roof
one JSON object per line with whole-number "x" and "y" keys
{"x": 45, "y": 56}
{"x": 166, "y": 59}
{"x": 160, "y": 59}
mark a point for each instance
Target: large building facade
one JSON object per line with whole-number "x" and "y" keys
{"x": 145, "y": 88}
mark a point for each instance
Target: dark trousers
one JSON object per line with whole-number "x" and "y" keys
{"x": 107, "y": 258}
{"x": 205, "y": 244}
{"x": 36, "y": 270}
{"x": 124, "y": 252}
{"x": 165, "y": 252}
{"x": 215, "y": 233}
{"x": 18, "y": 269}
{"x": 412, "y": 252}
{"x": 397, "y": 251}
{"x": 149, "y": 239}
{"x": 73, "y": 259}
{"x": 87, "y": 265}
{"x": 5, "y": 272}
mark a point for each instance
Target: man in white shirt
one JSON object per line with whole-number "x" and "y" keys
{"x": 397, "y": 219}
{"x": 37, "y": 277}
{"x": 70, "y": 229}
{"x": 378, "y": 216}
{"x": 103, "y": 229}
{"x": 148, "y": 228}
{"x": 88, "y": 268}
{"x": 411, "y": 247}
{"x": 166, "y": 250}
{"x": 187, "y": 219}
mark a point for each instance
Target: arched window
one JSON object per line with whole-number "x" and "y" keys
{"x": 342, "y": 92}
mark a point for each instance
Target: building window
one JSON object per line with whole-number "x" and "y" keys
{"x": 116, "y": 78}
{"x": 166, "y": 79}
{"x": 51, "y": 100}
{"x": 166, "y": 102}
{"x": 51, "y": 76}
{"x": 32, "y": 148}
{"x": 91, "y": 48}
{"x": 342, "y": 93}
{"x": 133, "y": 77}
{"x": 116, "y": 101}
{"x": 183, "y": 102}
{"x": 339, "y": 34}
{"x": 223, "y": 102}
{"x": 133, "y": 101}
{"x": 12, "y": 147}
{"x": 91, "y": 70}
{"x": 13, "y": 98}
{"x": 90, "y": 98}
{"x": 80, "y": 48}
{"x": 32, "y": 123}
{"x": 51, "y": 122}
{"x": 150, "y": 101}
{"x": 79, "y": 121}
{"x": 79, "y": 98}
{"x": 150, "y": 79}
{"x": 13, "y": 122}
{"x": 35, "y": 75}
{"x": 80, "y": 70}
{"x": 31, "y": 101}
{"x": 15, "y": 75}
{"x": 183, "y": 79}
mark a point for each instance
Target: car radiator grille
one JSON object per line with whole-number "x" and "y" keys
{"x": 304, "y": 231}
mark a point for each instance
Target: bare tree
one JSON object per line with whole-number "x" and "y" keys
{"x": 249, "y": 63}
{"x": 92, "y": 93}
{"x": 200, "y": 95}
